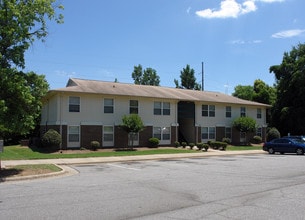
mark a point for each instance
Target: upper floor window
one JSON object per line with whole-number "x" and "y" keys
{"x": 259, "y": 113}
{"x": 161, "y": 108}
{"x": 242, "y": 111}
{"x": 108, "y": 106}
{"x": 228, "y": 111}
{"x": 208, "y": 110}
{"x": 133, "y": 107}
{"x": 74, "y": 104}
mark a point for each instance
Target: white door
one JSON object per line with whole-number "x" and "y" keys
{"x": 73, "y": 136}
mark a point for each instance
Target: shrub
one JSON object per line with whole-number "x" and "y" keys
{"x": 191, "y": 145}
{"x": 226, "y": 140}
{"x": 95, "y": 145}
{"x": 177, "y": 144}
{"x": 272, "y": 134}
{"x": 257, "y": 140}
{"x": 218, "y": 145}
{"x": 183, "y": 144}
{"x": 51, "y": 139}
{"x": 199, "y": 145}
{"x": 154, "y": 142}
{"x": 202, "y": 146}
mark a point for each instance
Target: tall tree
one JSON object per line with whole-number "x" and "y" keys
{"x": 288, "y": 114}
{"x": 147, "y": 77}
{"x": 259, "y": 92}
{"x": 22, "y": 22}
{"x": 244, "y": 92}
{"x": 188, "y": 79}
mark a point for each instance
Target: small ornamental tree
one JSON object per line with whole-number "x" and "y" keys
{"x": 132, "y": 124}
{"x": 244, "y": 124}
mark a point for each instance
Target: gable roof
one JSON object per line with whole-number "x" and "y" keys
{"x": 124, "y": 89}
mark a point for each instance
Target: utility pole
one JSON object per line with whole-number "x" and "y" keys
{"x": 202, "y": 80}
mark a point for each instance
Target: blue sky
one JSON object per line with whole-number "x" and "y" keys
{"x": 238, "y": 40}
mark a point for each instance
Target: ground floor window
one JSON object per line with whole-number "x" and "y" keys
{"x": 259, "y": 131}
{"x": 73, "y": 134}
{"x": 228, "y": 132}
{"x": 162, "y": 133}
{"x": 133, "y": 139}
{"x": 208, "y": 133}
{"x": 108, "y": 136}
{"x": 242, "y": 137}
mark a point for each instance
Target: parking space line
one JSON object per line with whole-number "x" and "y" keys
{"x": 123, "y": 167}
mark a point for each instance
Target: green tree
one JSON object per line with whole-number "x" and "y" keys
{"x": 259, "y": 92}
{"x": 244, "y": 124}
{"x": 263, "y": 93}
{"x": 132, "y": 124}
{"x": 22, "y": 22}
{"x": 288, "y": 113}
{"x": 188, "y": 79}
{"x": 244, "y": 92}
{"x": 147, "y": 77}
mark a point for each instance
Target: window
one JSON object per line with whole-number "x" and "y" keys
{"x": 259, "y": 131}
{"x": 157, "y": 132}
{"x": 74, "y": 104}
{"x": 208, "y": 133}
{"x": 108, "y": 105}
{"x": 166, "y": 133}
{"x": 162, "y": 133}
{"x": 162, "y": 108}
{"x": 133, "y": 139}
{"x": 205, "y": 110}
{"x": 228, "y": 112}
{"x": 228, "y": 132}
{"x": 73, "y": 134}
{"x": 166, "y": 108}
{"x": 108, "y": 134}
{"x": 242, "y": 111}
{"x": 133, "y": 107}
{"x": 242, "y": 137}
{"x": 208, "y": 110}
{"x": 259, "y": 113}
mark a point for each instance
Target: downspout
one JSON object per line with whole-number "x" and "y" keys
{"x": 60, "y": 120}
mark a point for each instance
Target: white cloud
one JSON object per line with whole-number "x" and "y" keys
{"x": 64, "y": 73}
{"x": 228, "y": 9}
{"x": 288, "y": 33}
{"x": 270, "y": 1}
{"x": 245, "y": 42}
{"x": 232, "y": 9}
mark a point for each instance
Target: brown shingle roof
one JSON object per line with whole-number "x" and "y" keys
{"x": 124, "y": 89}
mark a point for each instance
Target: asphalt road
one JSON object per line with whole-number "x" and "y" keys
{"x": 228, "y": 187}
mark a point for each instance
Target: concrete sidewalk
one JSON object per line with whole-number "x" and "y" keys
{"x": 92, "y": 160}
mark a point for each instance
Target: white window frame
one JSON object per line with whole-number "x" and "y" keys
{"x": 108, "y": 143}
{"x": 228, "y": 111}
{"x": 72, "y": 142}
{"x": 74, "y": 104}
{"x": 243, "y": 112}
{"x": 259, "y": 113}
{"x": 106, "y": 106}
{"x": 133, "y": 109}
{"x": 208, "y": 132}
{"x": 208, "y": 110}
{"x": 135, "y": 140}
{"x": 163, "y": 134}
{"x": 162, "y": 108}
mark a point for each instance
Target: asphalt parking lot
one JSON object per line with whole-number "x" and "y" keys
{"x": 222, "y": 187}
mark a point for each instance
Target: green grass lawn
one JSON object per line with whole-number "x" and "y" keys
{"x": 24, "y": 153}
